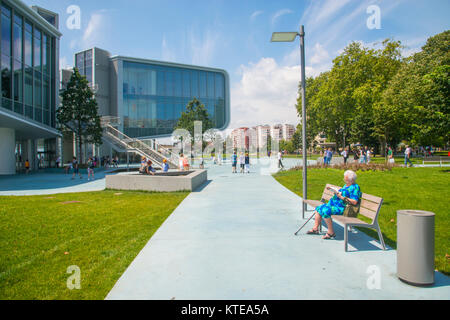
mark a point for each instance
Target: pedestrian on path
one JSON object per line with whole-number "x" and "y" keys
{"x": 280, "y": 157}
{"x": 90, "y": 168}
{"x": 75, "y": 168}
{"x": 27, "y": 166}
{"x": 247, "y": 163}
{"x": 345, "y": 155}
{"x": 233, "y": 162}
{"x": 242, "y": 162}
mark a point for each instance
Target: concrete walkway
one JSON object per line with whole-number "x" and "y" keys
{"x": 234, "y": 239}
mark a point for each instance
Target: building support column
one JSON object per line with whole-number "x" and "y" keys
{"x": 7, "y": 151}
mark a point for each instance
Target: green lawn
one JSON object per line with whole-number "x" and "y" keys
{"x": 40, "y": 236}
{"x": 402, "y": 188}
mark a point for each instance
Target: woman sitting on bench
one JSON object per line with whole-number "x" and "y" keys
{"x": 350, "y": 193}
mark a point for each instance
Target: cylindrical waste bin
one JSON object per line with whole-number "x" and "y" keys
{"x": 415, "y": 246}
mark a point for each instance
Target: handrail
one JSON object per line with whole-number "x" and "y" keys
{"x": 155, "y": 148}
{"x": 129, "y": 146}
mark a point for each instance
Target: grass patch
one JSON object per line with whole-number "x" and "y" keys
{"x": 401, "y": 188}
{"x": 41, "y": 236}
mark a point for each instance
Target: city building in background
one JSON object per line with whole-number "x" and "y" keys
{"x": 256, "y": 137}
{"x": 29, "y": 54}
{"x": 149, "y": 96}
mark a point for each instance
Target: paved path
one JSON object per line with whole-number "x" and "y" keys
{"x": 234, "y": 239}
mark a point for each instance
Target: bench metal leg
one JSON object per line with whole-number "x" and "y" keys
{"x": 380, "y": 236}
{"x": 345, "y": 237}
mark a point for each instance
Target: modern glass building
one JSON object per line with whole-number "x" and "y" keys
{"x": 29, "y": 55}
{"x": 149, "y": 96}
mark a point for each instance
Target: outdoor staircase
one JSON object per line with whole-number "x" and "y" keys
{"x": 123, "y": 143}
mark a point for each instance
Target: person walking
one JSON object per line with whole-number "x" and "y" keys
{"x": 75, "y": 168}
{"x": 90, "y": 168}
{"x": 325, "y": 158}
{"x": 345, "y": 155}
{"x": 58, "y": 161}
{"x": 247, "y": 163}
{"x": 180, "y": 162}
{"x": 233, "y": 162}
{"x": 368, "y": 154}
{"x": 242, "y": 162}
{"x": 280, "y": 157}
{"x": 329, "y": 156}
{"x": 390, "y": 156}
{"x": 408, "y": 152}
{"x": 27, "y": 166}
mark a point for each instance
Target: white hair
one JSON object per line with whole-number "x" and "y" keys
{"x": 351, "y": 175}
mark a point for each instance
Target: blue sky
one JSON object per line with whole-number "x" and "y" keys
{"x": 235, "y": 35}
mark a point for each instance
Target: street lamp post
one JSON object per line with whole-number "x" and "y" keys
{"x": 289, "y": 37}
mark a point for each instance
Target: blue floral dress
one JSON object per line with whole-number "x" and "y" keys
{"x": 336, "y": 206}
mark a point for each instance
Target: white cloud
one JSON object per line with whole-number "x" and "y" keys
{"x": 280, "y": 13}
{"x": 255, "y": 14}
{"x": 320, "y": 54}
{"x": 167, "y": 54}
{"x": 96, "y": 32}
{"x": 266, "y": 93}
{"x": 203, "y": 48}
{"x": 63, "y": 63}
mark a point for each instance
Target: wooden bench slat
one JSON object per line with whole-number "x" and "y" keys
{"x": 367, "y": 213}
{"x": 346, "y": 220}
{"x": 369, "y": 205}
{"x": 371, "y": 198}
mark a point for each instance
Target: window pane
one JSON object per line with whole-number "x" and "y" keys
{"x": 79, "y": 61}
{"x": 18, "y": 72}
{"x": 177, "y": 84}
{"x": 210, "y": 85}
{"x": 6, "y": 77}
{"x": 160, "y": 83}
{"x": 37, "y": 89}
{"x": 6, "y": 11}
{"x": 169, "y": 83}
{"x": 18, "y": 38}
{"x": 28, "y": 86}
{"x": 220, "y": 83}
{"x": 46, "y": 93}
{"x": 202, "y": 84}
{"x": 46, "y": 55}
{"x": 186, "y": 83}
{"x": 28, "y": 47}
{"x": 6, "y": 35}
{"x": 194, "y": 85}
{"x": 37, "y": 50}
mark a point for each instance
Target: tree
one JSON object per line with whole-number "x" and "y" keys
{"x": 416, "y": 104}
{"x": 195, "y": 111}
{"x": 79, "y": 112}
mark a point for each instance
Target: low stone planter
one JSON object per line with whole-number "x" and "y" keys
{"x": 161, "y": 181}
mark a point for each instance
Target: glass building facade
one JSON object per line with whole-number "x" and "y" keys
{"x": 155, "y": 95}
{"x": 27, "y": 76}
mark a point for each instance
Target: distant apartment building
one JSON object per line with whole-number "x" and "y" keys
{"x": 240, "y": 139}
{"x": 288, "y": 131}
{"x": 262, "y": 132}
{"x": 276, "y": 132}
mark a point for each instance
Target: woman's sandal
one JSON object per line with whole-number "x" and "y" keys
{"x": 312, "y": 231}
{"x": 329, "y": 236}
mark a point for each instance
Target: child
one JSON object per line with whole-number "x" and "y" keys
{"x": 233, "y": 162}
{"x": 165, "y": 165}
{"x": 27, "y": 166}
{"x": 247, "y": 163}
{"x": 242, "y": 162}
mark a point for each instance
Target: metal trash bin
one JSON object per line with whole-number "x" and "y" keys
{"x": 415, "y": 246}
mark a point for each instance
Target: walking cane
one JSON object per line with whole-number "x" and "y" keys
{"x": 305, "y": 223}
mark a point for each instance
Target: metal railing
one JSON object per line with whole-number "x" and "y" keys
{"x": 153, "y": 151}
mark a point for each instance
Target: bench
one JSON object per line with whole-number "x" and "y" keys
{"x": 439, "y": 159}
{"x": 369, "y": 207}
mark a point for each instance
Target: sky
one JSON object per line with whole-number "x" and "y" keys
{"x": 235, "y": 36}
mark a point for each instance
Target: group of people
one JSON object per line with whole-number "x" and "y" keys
{"x": 244, "y": 162}
{"x": 75, "y": 166}
{"x": 107, "y": 162}
{"x": 147, "y": 166}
